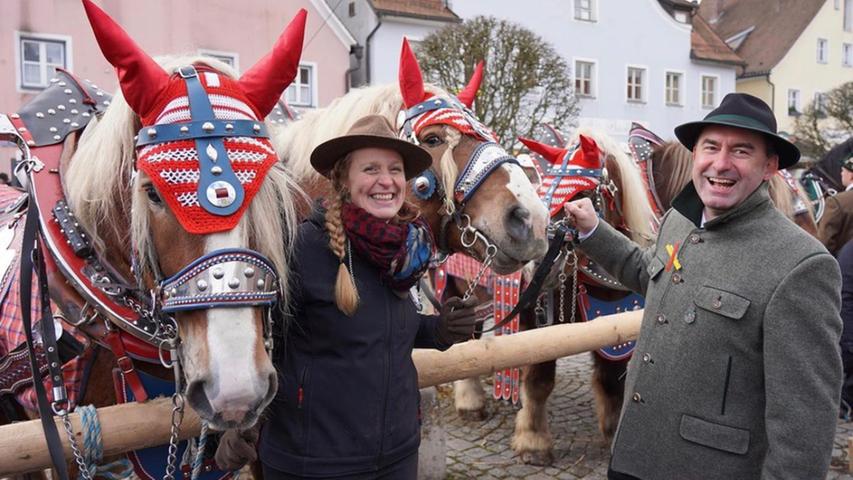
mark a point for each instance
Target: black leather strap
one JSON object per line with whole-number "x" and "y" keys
{"x": 29, "y": 255}
{"x": 528, "y": 297}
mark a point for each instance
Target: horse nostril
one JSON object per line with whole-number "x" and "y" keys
{"x": 518, "y": 224}
{"x": 197, "y": 398}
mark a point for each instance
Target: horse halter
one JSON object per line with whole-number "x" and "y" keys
{"x": 224, "y": 278}
{"x": 483, "y": 161}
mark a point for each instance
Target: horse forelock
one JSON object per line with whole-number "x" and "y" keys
{"x": 636, "y": 210}
{"x": 103, "y": 191}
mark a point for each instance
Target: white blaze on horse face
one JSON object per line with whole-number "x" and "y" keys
{"x": 237, "y": 385}
{"x": 524, "y": 191}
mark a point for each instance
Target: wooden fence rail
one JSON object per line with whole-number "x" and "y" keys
{"x": 140, "y": 425}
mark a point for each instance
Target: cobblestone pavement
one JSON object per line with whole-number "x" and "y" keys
{"x": 480, "y": 450}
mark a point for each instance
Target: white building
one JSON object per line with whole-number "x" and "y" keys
{"x": 648, "y": 61}
{"x": 379, "y": 27}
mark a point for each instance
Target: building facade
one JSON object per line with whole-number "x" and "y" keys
{"x": 795, "y": 50}
{"x": 379, "y": 27}
{"x": 632, "y": 61}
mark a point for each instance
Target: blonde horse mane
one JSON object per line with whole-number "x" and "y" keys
{"x": 297, "y": 140}
{"x": 635, "y": 205}
{"x": 100, "y": 182}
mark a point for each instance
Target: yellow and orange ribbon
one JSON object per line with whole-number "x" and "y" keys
{"x": 672, "y": 250}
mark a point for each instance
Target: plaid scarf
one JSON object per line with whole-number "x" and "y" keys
{"x": 401, "y": 251}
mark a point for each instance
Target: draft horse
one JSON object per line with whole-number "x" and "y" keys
{"x": 475, "y": 197}
{"x": 166, "y": 223}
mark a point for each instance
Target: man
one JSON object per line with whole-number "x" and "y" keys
{"x": 737, "y": 370}
{"x": 836, "y": 226}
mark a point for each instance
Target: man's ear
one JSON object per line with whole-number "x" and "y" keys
{"x": 771, "y": 167}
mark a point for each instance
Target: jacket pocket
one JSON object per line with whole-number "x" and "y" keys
{"x": 721, "y": 302}
{"x": 714, "y": 435}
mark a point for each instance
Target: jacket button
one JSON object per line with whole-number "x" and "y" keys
{"x": 691, "y": 316}
{"x": 676, "y": 277}
{"x": 718, "y": 302}
{"x": 636, "y": 397}
{"x": 647, "y": 357}
{"x": 695, "y": 238}
{"x": 660, "y": 318}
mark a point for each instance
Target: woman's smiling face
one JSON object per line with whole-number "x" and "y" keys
{"x": 376, "y": 180}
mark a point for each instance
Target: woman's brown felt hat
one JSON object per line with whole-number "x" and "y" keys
{"x": 372, "y": 131}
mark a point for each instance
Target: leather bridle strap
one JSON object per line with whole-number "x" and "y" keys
{"x": 531, "y": 293}
{"x": 31, "y": 253}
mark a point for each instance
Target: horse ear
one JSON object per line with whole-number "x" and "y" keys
{"x": 469, "y": 93}
{"x": 411, "y": 80}
{"x": 142, "y": 80}
{"x": 264, "y": 82}
{"x": 552, "y": 154}
{"x": 591, "y": 152}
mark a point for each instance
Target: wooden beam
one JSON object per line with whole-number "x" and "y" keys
{"x": 134, "y": 426}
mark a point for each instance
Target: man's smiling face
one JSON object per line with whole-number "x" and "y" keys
{"x": 728, "y": 165}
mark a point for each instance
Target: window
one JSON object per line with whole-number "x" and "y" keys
{"x": 674, "y": 80}
{"x": 822, "y": 50}
{"x": 837, "y": 4}
{"x": 228, "y": 58}
{"x": 351, "y": 9}
{"x": 636, "y": 81}
{"x": 794, "y": 102}
{"x": 585, "y": 10}
{"x": 584, "y": 71}
{"x": 847, "y": 55}
{"x": 301, "y": 91}
{"x": 709, "y": 91}
{"x": 848, "y": 15}
{"x": 39, "y": 56}
{"x": 820, "y": 104}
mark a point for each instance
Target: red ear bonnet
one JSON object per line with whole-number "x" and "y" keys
{"x": 469, "y": 93}
{"x": 411, "y": 80}
{"x": 207, "y": 181}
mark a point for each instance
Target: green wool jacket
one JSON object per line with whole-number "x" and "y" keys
{"x": 737, "y": 371}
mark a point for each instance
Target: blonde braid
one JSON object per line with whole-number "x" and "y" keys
{"x": 346, "y": 293}
{"x": 448, "y": 168}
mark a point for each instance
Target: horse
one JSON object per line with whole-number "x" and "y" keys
{"x": 475, "y": 197}
{"x": 168, "y": 247}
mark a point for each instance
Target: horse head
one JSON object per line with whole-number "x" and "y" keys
{"x": 477, "y": 196}
{"x": 209, "y": 202}
{"x": 592, "y": 166}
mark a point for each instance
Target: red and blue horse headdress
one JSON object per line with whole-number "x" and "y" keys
{"x": 570, "y": 171}
{"x": 203, "y": 142}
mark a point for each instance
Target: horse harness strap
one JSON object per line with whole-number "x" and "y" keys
{"x": 32, "y": 254}
{"x": 531, "y": 293}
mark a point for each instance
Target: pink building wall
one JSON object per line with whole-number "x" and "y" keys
{"x": 246, "y": 27}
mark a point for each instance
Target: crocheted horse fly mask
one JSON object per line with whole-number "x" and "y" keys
{"x": 203, "y": 143}
{"x": 570, "y": 171}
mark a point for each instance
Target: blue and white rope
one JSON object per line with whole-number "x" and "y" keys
{"x": 93, "y": 448}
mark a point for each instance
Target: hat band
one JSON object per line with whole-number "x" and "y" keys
{"x": 739, "y": 119}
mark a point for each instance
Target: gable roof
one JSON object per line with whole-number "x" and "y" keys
{"x": 777, "y": 26}
{"x": 706, "y": 45}
{"x": 435, "y": 10}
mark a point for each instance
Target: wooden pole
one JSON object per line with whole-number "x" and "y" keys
{"x": 495, "y": 353}
{"x": 134, "y": 426}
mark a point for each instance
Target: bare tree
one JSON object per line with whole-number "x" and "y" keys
{"x": 526, "y": 82}
{"x": 822, "y": 126}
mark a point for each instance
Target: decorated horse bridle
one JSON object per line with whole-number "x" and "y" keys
{"x": 482, "y": 162}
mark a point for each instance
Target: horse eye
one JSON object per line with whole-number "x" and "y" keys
{"x": 153, "y": 196}
{"x": 432, "y": 140}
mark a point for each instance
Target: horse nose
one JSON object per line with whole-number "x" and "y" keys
{"x": 518, "y": 224}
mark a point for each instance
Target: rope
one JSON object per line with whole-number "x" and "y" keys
{"x": 93, "y": 449}
{"x": 199, "y": 453}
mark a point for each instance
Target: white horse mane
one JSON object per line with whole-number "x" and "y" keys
{"x": 636, "y": 210}
{"x": 100, "y": 186}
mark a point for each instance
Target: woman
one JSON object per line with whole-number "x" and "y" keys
{"x": 348, "y": 400}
